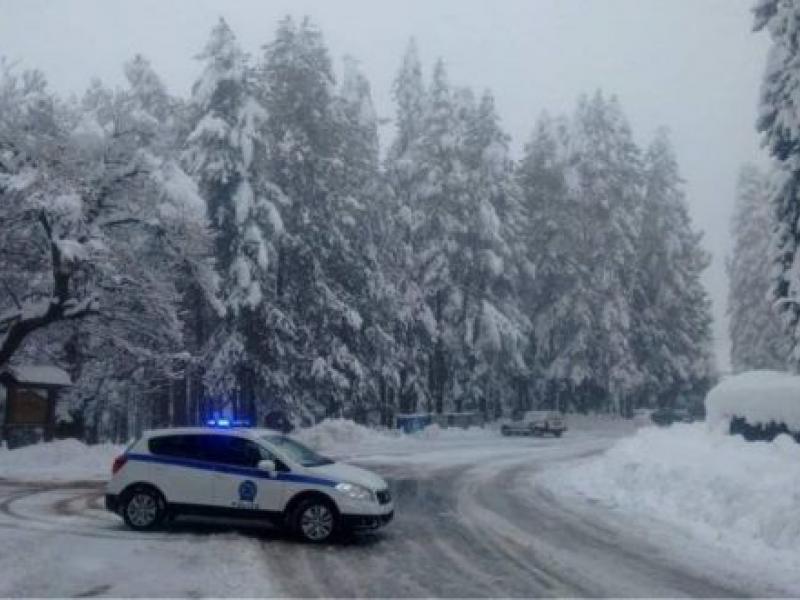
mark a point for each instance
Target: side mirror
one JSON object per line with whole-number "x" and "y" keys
{"x": 267, "y": 465}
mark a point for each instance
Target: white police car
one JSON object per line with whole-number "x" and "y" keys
{"x": 254, "y": 473}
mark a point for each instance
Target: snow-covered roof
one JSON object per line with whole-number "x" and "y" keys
{"x": 37, "y": 374}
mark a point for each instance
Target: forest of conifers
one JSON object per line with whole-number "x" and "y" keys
{"x": 253, "y": 248}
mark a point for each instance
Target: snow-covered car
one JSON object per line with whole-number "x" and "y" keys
{"x": 250, "y": 473}
{"x": 536, "y": 422}
{"x": 759, "y": 405}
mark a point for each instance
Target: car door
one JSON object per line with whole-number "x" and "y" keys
{"x": 238, "y": 482}
{"x": 179, "y": 471}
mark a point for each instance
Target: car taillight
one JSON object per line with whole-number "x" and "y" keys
{"x": 119, "y": 462}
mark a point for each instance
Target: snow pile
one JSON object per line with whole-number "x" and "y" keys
{"x": 717, "y": 487}
{"x": 758, "y": 396}
{"x": 62, "y": 460}
{"x": 340, "y": 433}
{"x": 346, "y": 439}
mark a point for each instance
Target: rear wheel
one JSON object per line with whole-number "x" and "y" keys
{"x": 143, "y": 509}
{"x": 505, "y": 430}
{"x": 315, "y": 520}
{"x": 558, "y": 433}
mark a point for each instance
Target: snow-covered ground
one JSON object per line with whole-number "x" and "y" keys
{"x": 52, "y": 513}
{"x": 639, "y": 493}
{"x": 99, "y": 558}
{"x": 718, "y": 489}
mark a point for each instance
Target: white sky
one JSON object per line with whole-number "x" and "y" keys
{"x": 691, "y": 65}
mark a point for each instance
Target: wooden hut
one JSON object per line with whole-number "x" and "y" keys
{"x": 30, "y": 393}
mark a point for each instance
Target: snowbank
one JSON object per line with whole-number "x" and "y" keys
{"x": 716, "y": 487}
{"x": 758, "y": 396}
{"x": 342, "y": 437}
{"x": 62, "y": 460}
{"x": 335, "y": 433}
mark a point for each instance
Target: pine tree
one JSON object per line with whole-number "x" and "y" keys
{"x": 607, "y": 172}
{"x": 552, "y": 275}
{"x": 493, "y": 329}
{"x": 757, "y": 338}
{"x": 225, "y": 153}
{"x": 778, "y": 122}
{"x": 672, "y": 316}
{"x": 413, "y": 325}
{"x": 323, "y": 273}
{"x": 408, "y": 91}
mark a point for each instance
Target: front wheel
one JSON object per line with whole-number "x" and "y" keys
{"x": 143, "y": 509}
{"x": 315, "y": 520}
{"x": 558, "y": 433}
{"x": 505, "y": 430}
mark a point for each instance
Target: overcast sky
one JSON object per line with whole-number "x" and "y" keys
{"x": 691, "y": 65}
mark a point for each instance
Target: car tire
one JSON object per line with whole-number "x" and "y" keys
{"x": 143, "y": 508}
{"x": 557, "y": 433}
{"x": 504, "y": 430}
{"x": 315, "y": 520}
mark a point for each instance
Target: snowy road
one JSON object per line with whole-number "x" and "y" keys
{"x": 469, "y": 523}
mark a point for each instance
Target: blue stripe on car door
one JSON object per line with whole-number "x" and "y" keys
{"x": 220, "y": 468}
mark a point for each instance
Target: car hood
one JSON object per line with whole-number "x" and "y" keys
{"x": 341, "y": 472}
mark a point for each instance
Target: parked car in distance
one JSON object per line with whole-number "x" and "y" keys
{"x": 668, "y": 416}
{"x": 536, "y": 422}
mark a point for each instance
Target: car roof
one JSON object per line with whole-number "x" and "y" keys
{"x": 240, "y": 431}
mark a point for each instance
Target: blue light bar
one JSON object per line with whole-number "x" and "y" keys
{"x": 227, "y": 423}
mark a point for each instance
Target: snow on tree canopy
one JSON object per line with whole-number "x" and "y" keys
{"x": 757, "y": 396}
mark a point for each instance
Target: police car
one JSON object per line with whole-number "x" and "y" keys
{"x": 238, "y": 472}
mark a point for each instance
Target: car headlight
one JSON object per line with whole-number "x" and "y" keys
{"x": 355, "y": 491}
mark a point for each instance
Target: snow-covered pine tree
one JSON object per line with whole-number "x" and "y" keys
{"x": 361, "y": 196}
{"x": 440, "y": 202}
{"x": 672, "y": 311}
{"x": 555, "y": 283}
{"x": 607, "y": 171}
{"x": 225, "y": 153}
{"x": 408, "y": 91}
{"x": 323, "y": 277}
{"x": 413, "y": 321}
{"x": 490, "y": 365}
{"x": 778, "y": 122}
{"x": 757, "y": 339}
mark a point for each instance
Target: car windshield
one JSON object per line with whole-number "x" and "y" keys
{"x": 297, "y": 451}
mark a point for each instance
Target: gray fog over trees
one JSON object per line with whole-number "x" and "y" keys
{"x": 251, "y": 248}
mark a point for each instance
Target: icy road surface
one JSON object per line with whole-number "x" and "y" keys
{"x": 468, "y": 523}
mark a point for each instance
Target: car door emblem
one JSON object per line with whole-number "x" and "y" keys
{"x": 247, "y": 491}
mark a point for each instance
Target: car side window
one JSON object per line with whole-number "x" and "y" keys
{"x": 231, "y": 450}
{"x": 179, "y": 446}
